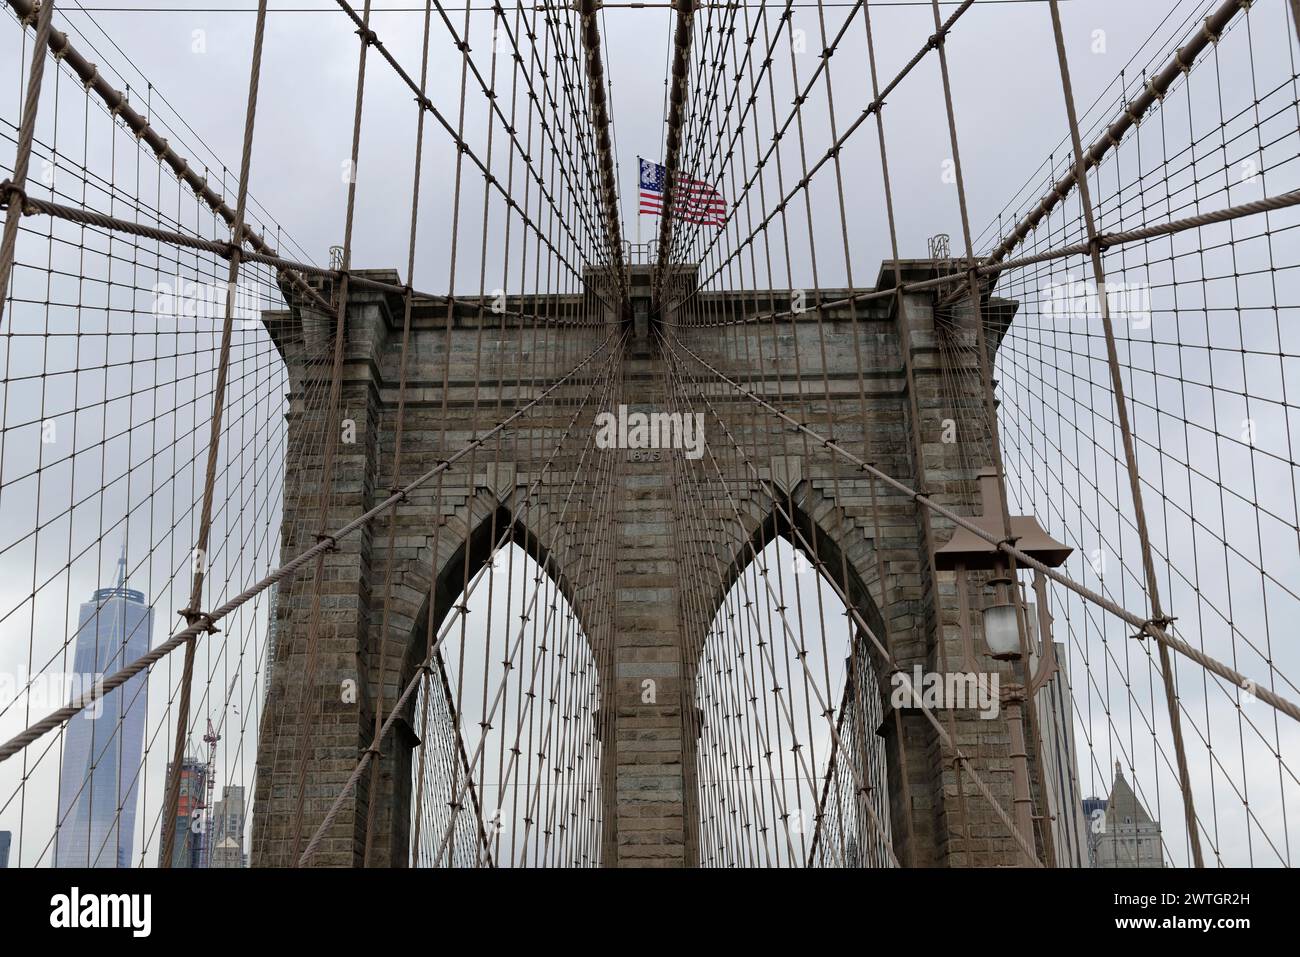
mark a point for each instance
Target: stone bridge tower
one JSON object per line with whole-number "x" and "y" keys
{"x": 916, "y": 428}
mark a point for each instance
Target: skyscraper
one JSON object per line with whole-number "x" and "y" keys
{"x": 100, "y": 776}
{"x": 187, "y": 851}
{"x": 1060, "y": 759}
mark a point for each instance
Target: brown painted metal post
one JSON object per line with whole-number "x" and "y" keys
{"x": 1013, "y": 698}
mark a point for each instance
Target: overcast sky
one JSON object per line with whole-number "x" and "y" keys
{"x": 1010, "y": 119}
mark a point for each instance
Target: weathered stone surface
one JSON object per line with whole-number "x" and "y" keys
{"x": 626, "y": 561}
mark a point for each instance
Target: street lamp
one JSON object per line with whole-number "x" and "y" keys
{"x": 1001, "y": 632}
{"x": 967, "y": 551}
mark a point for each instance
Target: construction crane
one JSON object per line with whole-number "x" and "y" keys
{"x": 210, "y": 738}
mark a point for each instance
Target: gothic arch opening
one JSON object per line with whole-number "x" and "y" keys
{"x": 790, "y": 770}
{"x": 504, "y": 764}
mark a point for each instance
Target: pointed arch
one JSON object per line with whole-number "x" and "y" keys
{"x": 478, "y": 544}
{"x": 863, "y": 754}
{"x": 846, "y": 555}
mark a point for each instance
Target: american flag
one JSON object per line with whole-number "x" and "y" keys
{"x": 695, "y": 202}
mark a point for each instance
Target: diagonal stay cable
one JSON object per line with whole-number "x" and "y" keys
{"x": 285, "y": 571}
{"x": 118, "y": 105}
{"x": 445, "y": 630}
{"x": 1145, "y": 626}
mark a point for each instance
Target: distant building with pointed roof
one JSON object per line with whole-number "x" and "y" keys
{"x": 228, "y": 829}
{"x": 187, "y": 846}
{"x": 1120, "y": 831}
{"x": 227, "y": 854}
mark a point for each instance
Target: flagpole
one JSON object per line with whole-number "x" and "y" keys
{"x": 638, "y": 204}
